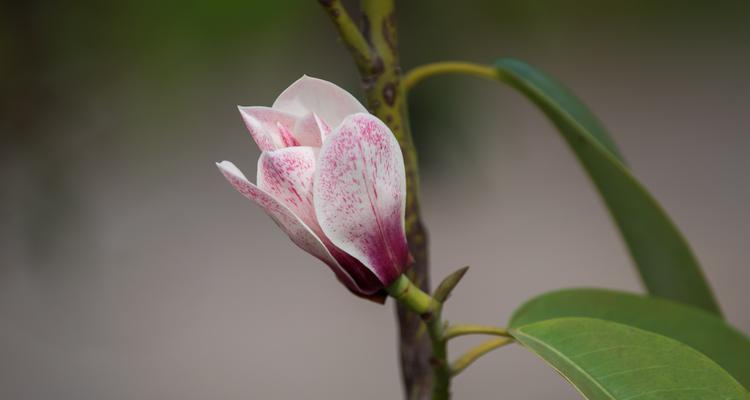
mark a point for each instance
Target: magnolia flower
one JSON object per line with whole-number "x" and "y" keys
{"x": 332, "y": 177}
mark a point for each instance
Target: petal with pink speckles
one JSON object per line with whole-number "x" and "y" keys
{"x": 297, "y": 230}
{"x": 287, "y": 175}
{"x": 330, "y": 102}
{"x": 271, "y": 129}
{"x": 359, "y": 195}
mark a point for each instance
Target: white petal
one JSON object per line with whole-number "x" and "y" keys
{"x": 330, "y": 102}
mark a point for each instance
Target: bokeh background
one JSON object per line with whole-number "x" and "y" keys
{"x": 129, "y": 269}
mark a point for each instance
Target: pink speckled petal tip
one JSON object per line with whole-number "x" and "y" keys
{"x": 271, "y": 129}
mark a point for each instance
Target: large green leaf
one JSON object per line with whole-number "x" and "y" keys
{"x": 696, "y": 328}
{"x": 608, "y": 360}
{"x": 664, "y": 259}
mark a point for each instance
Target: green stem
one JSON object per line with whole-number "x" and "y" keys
{"x": 429, "y": 310}
{"x": 412, "y": 297}
{"x": 418, "y": 74}
{"x": 461, "y": 330}
{"x": 349, "y": 31}
{"x": 441, "y": 370}
{"x": 472, "y": 355}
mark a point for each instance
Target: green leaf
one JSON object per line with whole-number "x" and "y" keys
{"x": 664, "y": 259}
{"x": 608, "y": 360}
{"x": 698, "y": 329}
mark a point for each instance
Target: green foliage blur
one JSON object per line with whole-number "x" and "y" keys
{"x": 134, "y": 80}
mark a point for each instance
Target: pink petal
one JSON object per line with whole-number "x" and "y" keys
{"x": 271, "y": 129}
{"x": 311, "y": 130}
{"x": 330, "y": 102}
{"x": 297, "y": 230}
{"x": 360, "y": 193}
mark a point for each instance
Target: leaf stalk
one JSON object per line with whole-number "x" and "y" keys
{"x": 419, "y": 74}
{"x": 461, "y": 330}
{"x": 475, "y": 353}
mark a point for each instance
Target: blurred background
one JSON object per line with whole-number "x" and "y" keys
{"x": 129, "y": 269}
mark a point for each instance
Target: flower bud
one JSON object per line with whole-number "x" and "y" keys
{"x": 331, "y": 176}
